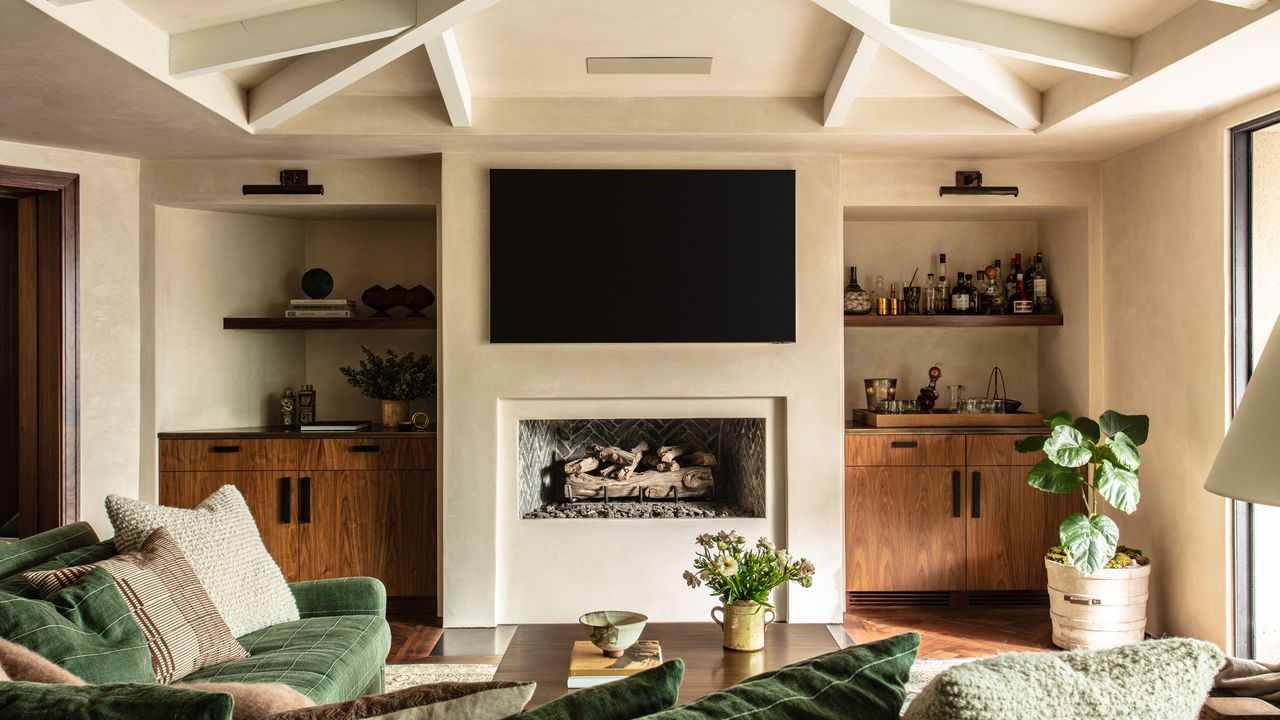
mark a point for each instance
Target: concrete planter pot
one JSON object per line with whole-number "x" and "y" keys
{"x": 1105, "y": 609}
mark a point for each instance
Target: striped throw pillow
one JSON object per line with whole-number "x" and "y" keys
{"x": 183, "y": 629}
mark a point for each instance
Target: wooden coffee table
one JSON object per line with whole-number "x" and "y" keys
{"x": 541, "y": 653}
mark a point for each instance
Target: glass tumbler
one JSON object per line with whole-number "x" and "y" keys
{"x": 955, "y": 393}
{"x": 911, "y": 298}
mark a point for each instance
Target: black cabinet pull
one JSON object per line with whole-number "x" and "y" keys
{"x": 977, "y": 494}
{"x": 366, "y": 448}
{"x": 904, "y": 444}
{"x": 225, "y": 448}
{"x": 304, "y": 499}
{"x": 286, "y": 500}
{"x": 956, "y": 501}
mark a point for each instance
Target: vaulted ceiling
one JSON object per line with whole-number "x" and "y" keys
{"x": 1017, "y": 77}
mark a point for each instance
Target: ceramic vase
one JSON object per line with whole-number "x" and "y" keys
{"x": 743, "y": 622}
{"x": 394, "y": 412}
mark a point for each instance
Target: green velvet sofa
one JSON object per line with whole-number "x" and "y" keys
{"x": 334, "y": 652}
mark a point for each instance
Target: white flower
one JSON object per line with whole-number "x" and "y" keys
{"x": 765, "y": 544}
{"x": 784, "y": 557}
{"x": 727, "y": 566}
{"x": 806, "y": 568}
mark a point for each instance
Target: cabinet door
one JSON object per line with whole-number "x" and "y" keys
{"x": 375, "y": 523}
{"x": 1010, "y": 526}
{"x": 270, "y": 497}
{"x": 904, "y": 529}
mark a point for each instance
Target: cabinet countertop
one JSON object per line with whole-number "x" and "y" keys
{"x": 852, "y": 428}
{"x": 280, "y": 432}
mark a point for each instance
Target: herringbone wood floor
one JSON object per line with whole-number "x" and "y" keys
{"x": 945, "y": 632}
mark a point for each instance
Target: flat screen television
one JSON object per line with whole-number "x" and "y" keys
{"x": 642, "y": 256}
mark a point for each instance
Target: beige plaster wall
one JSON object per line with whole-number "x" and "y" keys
{"x": 360, "y": 253}
{"x": 1166, "y": 353}
{"x": 1064, "y": 353}
{"x": 211, "y": 265}
{"x": 479, "y": 533}
{"x": 895, "y": 249}
{"x": 109, "y": 319}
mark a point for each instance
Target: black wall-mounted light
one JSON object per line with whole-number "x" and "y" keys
{"x": 969, "y": 182}
{"x": 292, "y": 182}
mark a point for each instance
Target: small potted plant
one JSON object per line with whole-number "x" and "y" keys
{"x": 1097, "y": 587}
{"x": 743, "y": 578}
{"x": 393, "y": 379}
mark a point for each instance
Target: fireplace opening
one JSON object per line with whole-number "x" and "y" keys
{"x": 641, "y": 468}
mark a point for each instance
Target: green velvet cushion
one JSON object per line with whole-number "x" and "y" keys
{"x": 340, "y": 596}
{"x": 23, "y": 554}
{"x": 1155, "y": 680}
{"x": 863, "y": 682}
{"x": 637, "y": 696}
{"x": 328, "y": 659}
{"x": 87, "y": 555}
{"x": 38, "y": 701}
{"x": 86, "y": 628}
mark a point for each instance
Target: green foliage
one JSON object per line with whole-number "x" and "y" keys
{"x": 732, "y": 572}
{"x": 1100, "y": 459}
{"x": 393, "y": 377}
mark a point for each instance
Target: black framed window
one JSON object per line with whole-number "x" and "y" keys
{"x": 1255, "y": 220}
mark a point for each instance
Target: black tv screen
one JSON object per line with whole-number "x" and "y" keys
{"x": 642, "y": 256}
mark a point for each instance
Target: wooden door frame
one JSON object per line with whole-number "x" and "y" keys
{"x": 51, "y": 496}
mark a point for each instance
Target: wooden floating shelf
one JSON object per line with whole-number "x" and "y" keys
{"x": 360, "y": 323}
{"x": 952, "y": 320}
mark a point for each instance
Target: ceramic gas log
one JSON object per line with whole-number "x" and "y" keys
{"x": 618, "y": 473}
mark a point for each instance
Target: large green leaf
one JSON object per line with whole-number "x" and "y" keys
{"x": 1035, "y": 443}
{"x": 1087, "y": 428}
{"x": 1135, "y": 426}
{"x": 1067, "y": 447}
{"x": 1049, "y": 476}
{"x": 1062, "y": 417}
{"x": 1090, "y": 542}
{"x": 1124, "y": 452}
{"x": 1118, "y": 486}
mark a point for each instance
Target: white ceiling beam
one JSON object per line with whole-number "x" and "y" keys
{"x": 1246, "y": 4}
{"x": 846, "y": 81}
{"x": 288, "y": 34}
{"x": 970, "y": 71}
{"x": 1014, "y": 35}
{"x": 446, "y": 61}
{"x": 312, "y": 78}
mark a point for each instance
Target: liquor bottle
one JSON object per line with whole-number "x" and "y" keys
{"x": 929, "y": 297}
{"x": 1039, "y": 281}
{"x": 882, "y": 300}
{"x": 960, "y": 296}
{"x": 995, "y": 290}
{"x": 1011, "y": 281}
{"x": 944, "y": 293}
{"x": 972, "y": 289}
{"x": 1022, "y": 304}
{"x": 856, "y": 300}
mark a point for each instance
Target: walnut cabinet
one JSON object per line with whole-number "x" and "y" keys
{"x": 327, "y": 506}
{"x": 939, "y": 512}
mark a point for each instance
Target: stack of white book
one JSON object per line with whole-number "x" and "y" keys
{"x": 313, "y": 308}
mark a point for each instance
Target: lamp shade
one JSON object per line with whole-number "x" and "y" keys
{"x": 1248, "y": 463}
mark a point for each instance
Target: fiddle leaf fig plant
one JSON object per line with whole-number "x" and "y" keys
{"x": 1097, "y": 459}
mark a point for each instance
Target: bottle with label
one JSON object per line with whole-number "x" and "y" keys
{"x": 1011, "y": 281}
{"x": 1039, "y": 280}
{"x": 929, "y": 297}
{"x": 944, "y": 293}
{"x": 974, "y": 296}
{"x": 1022, "y": 303}
{"x": 959, "y": 296}
{"x": 995, "y": 290}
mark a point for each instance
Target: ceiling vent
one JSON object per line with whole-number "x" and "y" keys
{"x": 648, "y": 66}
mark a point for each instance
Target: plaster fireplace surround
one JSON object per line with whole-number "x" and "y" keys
{"x": 584, "y": 468}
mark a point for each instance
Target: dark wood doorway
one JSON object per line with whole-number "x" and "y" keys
{"x": 40, "y": 211}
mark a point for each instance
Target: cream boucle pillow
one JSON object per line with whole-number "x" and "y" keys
{"x": 1153, "y": 680}
{"x": 221, "y": 540}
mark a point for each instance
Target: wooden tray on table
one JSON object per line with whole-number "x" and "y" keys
{"x": 948, "y": 419}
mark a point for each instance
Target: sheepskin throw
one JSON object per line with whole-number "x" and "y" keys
{"x": 1154, "y": 680}
{"x": 183, "y": 629}
{"x": 221, "y": 540}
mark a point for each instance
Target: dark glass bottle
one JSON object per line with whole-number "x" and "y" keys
{"x": 1011, "y": 281}
{"x": 856, "y": 300}
{"x": 972, "y": 289}
{"x": 960, "y": 296}
{"x": 1022, "y": 304}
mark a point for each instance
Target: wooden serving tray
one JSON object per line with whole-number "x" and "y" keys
{"x": 947, "y": 419}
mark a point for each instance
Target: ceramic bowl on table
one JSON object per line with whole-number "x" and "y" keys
{"x": 613, "y": 631}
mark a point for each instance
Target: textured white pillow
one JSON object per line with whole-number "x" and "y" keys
{"x": 221, "y": 540}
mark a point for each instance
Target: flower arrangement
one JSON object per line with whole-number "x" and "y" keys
{"x": 391, "y": 376}
{"x": 734, "y": 573}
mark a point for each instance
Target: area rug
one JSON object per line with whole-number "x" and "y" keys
{"x": 398, "y": 677}
{"x": 922, "y": 671}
